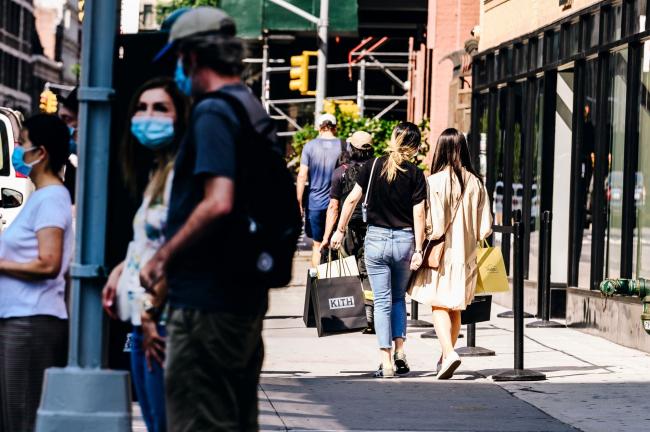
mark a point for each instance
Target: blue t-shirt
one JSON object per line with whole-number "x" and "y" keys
{"x": 198, "y": 277}
{"x": 321, "y": 156}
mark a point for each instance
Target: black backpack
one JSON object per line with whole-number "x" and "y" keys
{"x": 262, "y": 232}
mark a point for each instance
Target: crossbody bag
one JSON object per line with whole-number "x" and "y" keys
{"x": 364, "y": 206}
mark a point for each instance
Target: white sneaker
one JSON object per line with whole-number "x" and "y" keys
{"x": 449, "y": 366}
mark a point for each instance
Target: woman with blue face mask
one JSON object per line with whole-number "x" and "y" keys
{"x": 35, "y": 253}
{"x": 157, "y": 120}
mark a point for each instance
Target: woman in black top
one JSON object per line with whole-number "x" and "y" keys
{"x": 393, "y": 190}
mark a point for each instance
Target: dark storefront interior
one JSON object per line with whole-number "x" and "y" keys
{"x": 561, "y": 122}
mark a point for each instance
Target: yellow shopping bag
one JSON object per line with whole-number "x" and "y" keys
{"x": 492, "y": 277}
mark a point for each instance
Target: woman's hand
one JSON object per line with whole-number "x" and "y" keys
{"x": 416, "y": 261}
{"x": 154, "y": 271}
{"x": 337, "y": 240}
{"x": 110, "y": 290}
{"x": 153, "y": 344}
{"x": 325, "y": 244}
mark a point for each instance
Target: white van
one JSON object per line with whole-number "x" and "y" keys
{"x": 15, "y": 188}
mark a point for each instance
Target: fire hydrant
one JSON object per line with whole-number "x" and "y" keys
{"x": 629, "y": 287}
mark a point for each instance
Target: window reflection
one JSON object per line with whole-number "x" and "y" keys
{"x": 641, "y": 256}
{"x": 614, "y": 181}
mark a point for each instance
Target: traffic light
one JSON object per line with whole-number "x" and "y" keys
{"x": 299, "y": 73}
{"x": 48, "y": 102}
{"x": 81, "y": 6}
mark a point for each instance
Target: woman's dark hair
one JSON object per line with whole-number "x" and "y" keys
{"x": 222, "y": 53}
{"x": 358, "y": 155}
{"x": 71, "y": 102}
{"x": 452, "y": 152}
{"x": 165, "y": 157}
{"x": 51, "y": 133}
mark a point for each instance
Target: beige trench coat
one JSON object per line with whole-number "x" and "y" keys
{"x": 452, "y": 286}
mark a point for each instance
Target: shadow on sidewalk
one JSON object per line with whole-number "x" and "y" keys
{"x": 361, "y": 403}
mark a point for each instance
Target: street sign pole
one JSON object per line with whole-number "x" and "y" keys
{"x": 321, "y": 73}
{"x": 83, "y": 396}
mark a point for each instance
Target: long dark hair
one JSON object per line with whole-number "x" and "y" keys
{"x": 165, "y": 157}
{"x": 452, "y": 152}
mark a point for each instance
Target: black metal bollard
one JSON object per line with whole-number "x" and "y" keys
{"x": 510, "y": 313}
{"x": 471, "y": 350}
{"x": 518, "y": 373}
{"x": 544, "y": 278}
{"x": 415, "y": 321}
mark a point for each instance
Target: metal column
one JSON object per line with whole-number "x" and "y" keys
{"x": 321, "y": 73}
{"x": 83, "y": 396}
{"x": 265, "y": 74}
{"x": 361, "y": 88}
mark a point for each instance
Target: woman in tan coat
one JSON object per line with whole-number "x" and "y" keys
{"x": 459, "y": 212}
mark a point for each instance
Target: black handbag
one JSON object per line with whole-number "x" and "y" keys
{"x": 477, "y": 311}
{"x": 308, "y": 316}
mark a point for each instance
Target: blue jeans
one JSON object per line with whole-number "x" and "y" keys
{"x": 388, "y": 258}
{"x": 149, "y": 385}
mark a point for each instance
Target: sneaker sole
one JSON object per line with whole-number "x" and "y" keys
{"x": 401, "y": 368}
{"x": 442, "y": 375}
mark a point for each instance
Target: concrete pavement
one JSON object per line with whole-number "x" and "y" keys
{"x": 311, "y": 383}
{"x": 323, "y": 384}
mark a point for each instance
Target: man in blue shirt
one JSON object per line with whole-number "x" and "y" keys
{"x": 317, "y": 163}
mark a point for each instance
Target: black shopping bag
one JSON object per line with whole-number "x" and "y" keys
{"x": 308, "y": 313}
{"x": 339, "y": 305}
{"x": 477, "y": 311}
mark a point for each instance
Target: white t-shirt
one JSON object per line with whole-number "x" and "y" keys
{"x": 48, "y": 207}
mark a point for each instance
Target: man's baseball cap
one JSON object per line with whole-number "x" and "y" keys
{"x": 199, "y": 21}
{"x": 360, "y": 140}
{"x": 325, "y": 118}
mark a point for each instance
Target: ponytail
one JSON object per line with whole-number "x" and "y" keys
{"x": 403, "y": 145}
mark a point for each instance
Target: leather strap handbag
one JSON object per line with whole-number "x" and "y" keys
{"x": 434, "y": 251}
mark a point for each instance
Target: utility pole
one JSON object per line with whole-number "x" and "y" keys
{"x": 83, "y": 396}
{"x": 265, "y": 72}
{"x": 321, "y": 73}
{"x": 322, "y": 24}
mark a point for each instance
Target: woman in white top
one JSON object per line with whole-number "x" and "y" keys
{"x": 459, "y": 213}
{"x": 158, "y": 114}
{"x": 35, "y": 252}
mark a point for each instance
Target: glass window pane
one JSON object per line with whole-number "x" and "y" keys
{"x": 536, "y": 192}
{"x": 585, "y": 180}
{"x": 641, "y": 257}
{"x": 499, "y": 142}
{"x": 613, "y": 22}
{"x": 614, "y": 182}
{"x": 592, "y": 30}
{"x": 483, "y": 131}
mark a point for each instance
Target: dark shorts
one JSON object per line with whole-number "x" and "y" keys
{"x": 213, "y": 367}
{"x": 315, "y": 224}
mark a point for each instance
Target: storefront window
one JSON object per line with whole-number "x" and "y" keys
{"x": 614, "y": 182}
{"x": 591, "y": 25}
{"x": 613, "y": 22}
{"x": 637, "y": 16}
{"x": 483, "y": 103}
{"x": 641, "y": 257}
{"x": 499, "y": 144}
{"x": 585, "y": 177}
{"x": 536, "y": 193}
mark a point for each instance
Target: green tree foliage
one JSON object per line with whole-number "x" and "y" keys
{"x": 164, "y": 9}
{"x": 381, "y": 131}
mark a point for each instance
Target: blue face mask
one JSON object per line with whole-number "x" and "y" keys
{"x": 73, "y": 143}
{"x": 183, "y": 82}
{"x": 18, "y": 161}
{"x": 153, "y": 132}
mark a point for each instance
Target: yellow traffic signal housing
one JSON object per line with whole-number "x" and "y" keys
{"x": 299, "y": 73}
{"x": 48, "y": 102}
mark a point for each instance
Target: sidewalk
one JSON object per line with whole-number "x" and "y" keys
{"x": 311, "y": 383}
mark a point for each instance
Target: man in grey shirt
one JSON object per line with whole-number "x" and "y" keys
{"x": 317, "y": 163}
